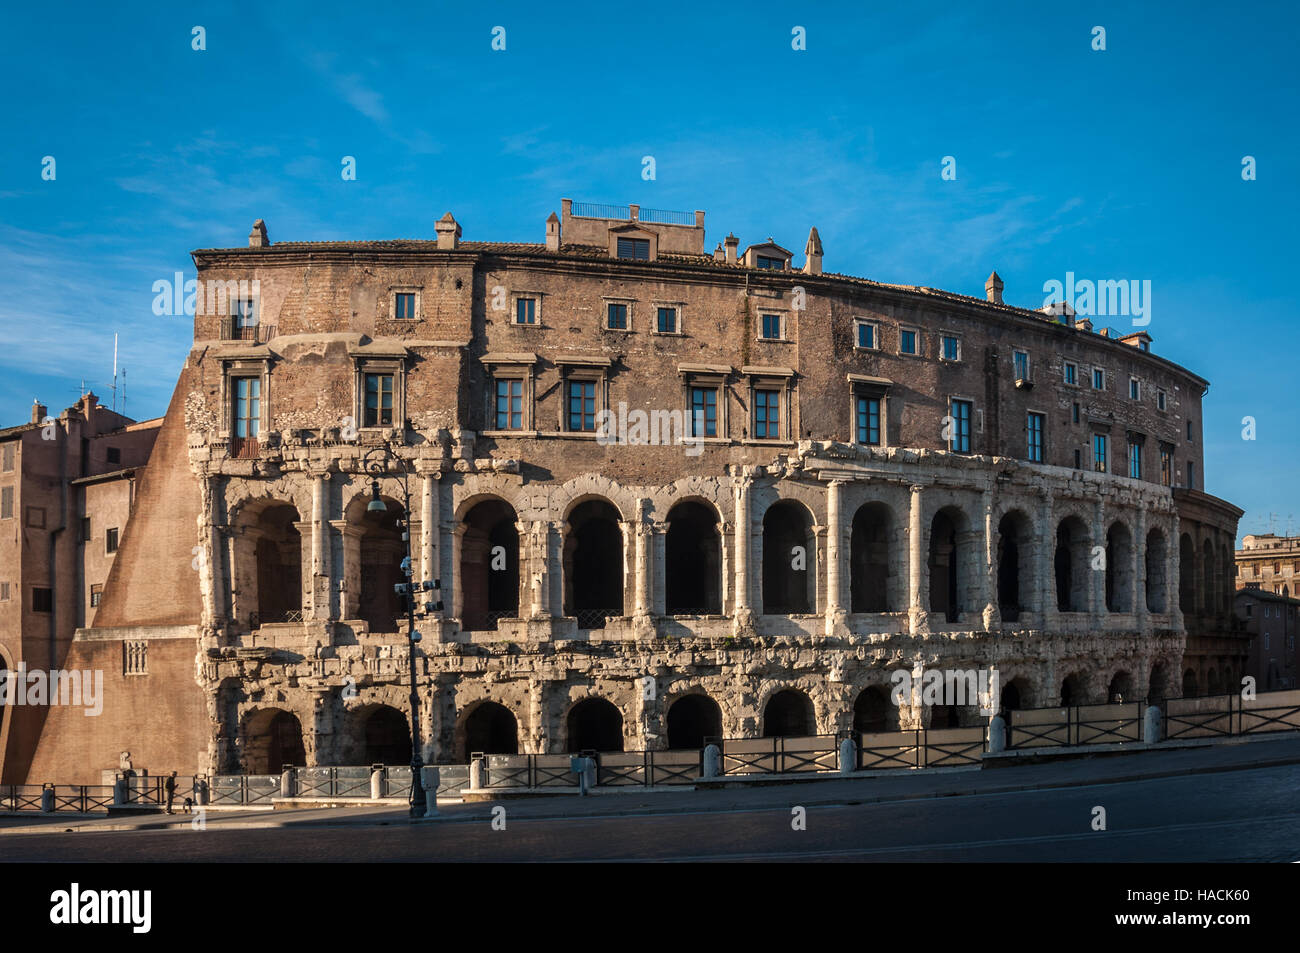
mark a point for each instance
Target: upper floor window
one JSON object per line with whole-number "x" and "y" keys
{"x": 960, "y": 412}
{"x": 868, "y": 420}
{"x": 950, "y": 347}
{"x": 244, "y": 311}
{"x": 85, "y": 529}
{"x": 6, "y": 503}
{"x": 4, "y": 592}
{"x": 1021, "y": 361}
{"x": 378, "y": 411}
{"x": 767, "y": 414}
{"x": 510, "y": 404}
{"x": 770, "y": 328}
{"x": 1099, "y": 452}
{"x": 582, "y": 406}
{"x": 634, "y": 248}
{"x": 110, "y": 540}
{"x": 1189, "y": 430}
{"x": 404, "y": 305}
{"x": 866, "y": 335}
{"x": 1160, "y": 400}
{"x": 1134, "y": 388}
{"x": 1071, "y": 373}
{"x": 616, "y": 316}
{"x": 704, "y": 411}
{"x": 1074, "y": 412}
{"x": 1135, "y": 459}
{"x": 42, "y": 599}
{"x": 777, "y": 264}
{"x": 7, "y": 458}
{"x": 1034, "y": 427}
{"x": 114, "y": 454}
{"x": 1191, "y": 476}
{"x": 667, "y": 319}
{"x": 247, "y": 407}
{"x": 525, "y": 311}
{"x": 907, "y": 341}
{"x": 96, "y": 593}
{"x": 1098, "y": 379}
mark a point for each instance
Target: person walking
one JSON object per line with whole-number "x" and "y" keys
{"x": 170, "y": 787}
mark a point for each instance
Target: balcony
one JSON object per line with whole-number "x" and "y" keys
{"x": 236, "y": 327}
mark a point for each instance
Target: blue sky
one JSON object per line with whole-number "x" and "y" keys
{"x": 1117, "y": 164}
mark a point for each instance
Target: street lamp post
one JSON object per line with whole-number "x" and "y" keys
{"x": 375, "y": 463}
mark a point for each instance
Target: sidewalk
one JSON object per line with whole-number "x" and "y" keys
{"x": 1133, "y": 765}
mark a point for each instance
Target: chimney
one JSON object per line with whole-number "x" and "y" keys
{"x": 634, "y": 211}
{"x": 257, "y": 237}
{"x": 993, "y": 288}
{"x": 813, "y": 264}
{"x": 448, "y": 233}
{"x": 718, "y": 253}
{"x": 553, "y": 232}
{"x": 88, "y": 402}
{"x": 39, "y": 411}
{"x": 732, "y": 243}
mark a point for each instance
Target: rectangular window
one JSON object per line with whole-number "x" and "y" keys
{"x": 771, "y": 327}
{"x": 1071, "y": 373}
{"x": 1191, "y": 476}
{"x": 960, "y": 411}
{"x": 704, "y": 412}
{"x": 667, "y": 320}
{"x": 96, "y": 593}
{"x": 7, "y": 455}
{"x": 1074, "y": 412}
{"x": 866, "y": 335}
{"x": 1160, "y": 399}
{"x": 616, "y": 317}
{"x": 42, "y": 599}
{"x": 1078, "y": 459}
{"x": 1135, "y": 460}
{"x": 1166, "y": 467}
{"x": 1035, "y": 425}
{"x": 1021, "y": 361}
{"x": 1099, "y": 452}
{"x": 1098, "y": 379}
{"x": 404, "y": 306}
{"x": 525, "y": 311}
{"x": 85, "y": 529}
{"x": 36, "y": 517}
{"x": 1134, "y": 389}
{"x": 776, "y": 264}
{"x": 244, "y": 312}
{"x": 1189, "y": 430}
{"x": 950, "y": 347}
{"x": 110, "y": 540}
{"x": 869, "y": 421}
{"x": 510, "y": 405}
{"x": 248, "y": 407}
{"x": 7, "y": 503}
{"x": 582, "y": 406}
{"x": 114, "y": 454}
{"x": 638, "y": 249}
{"x": 767, "y": 414}
{"x": 4, "y": 592}
{"x": 379, "y": 400}
{"x": 906, "y": 341}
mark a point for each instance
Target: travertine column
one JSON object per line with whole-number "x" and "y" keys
{"x": 835, "y": 613}
{"x": 1139, "y": 547}
{"x": 1175, "y": 579}
{"x": 1045, "y": 563}
{"x": 743, "y": 526}
{"x": 457, "y": 583}
{"x": 989, "y": 576}
{"x": 322, "y": 585}
{"x": 430, "y": 520}
{"x": 640, "y": 531}
{"x": 1098, "y": 588}
{"x": 916, "y": 603}
{"x": 211, "y": 571}
{"x": 658, "y": 567}
{"x": 539, "y": 575}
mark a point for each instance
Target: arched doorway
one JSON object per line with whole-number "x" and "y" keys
{"x": 593, "y": 564}
{"x": 1072, "y": 691}
{"x": 278, "y": 551}
{"x": 692, "y": 720}
{"x": 272, "y": 740}
{"x": 869, "y": 558}
{"x": 1015, "y": 539}
{"x": 788, "y": 551}
{"x": 489, "y": 560}
{"x": 693, "y": 561}
{"x": 1071, "y": 565}
{"x": 489, "y": 728}
{"x": 788, "y": 714}
{"x": 1157, "y": 559}
{"x": 950, "y": 559}
{"x": 595, "y": 725}
{"x": 871, "y": 711}
{"x": 1157, "y": 684}
{"x": 1119, "y": 569}
{"x": 377, "y": 549}
{"x": 388, "y": 740}
{"x": 1121, "y": 688}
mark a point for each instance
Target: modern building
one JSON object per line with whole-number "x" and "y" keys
{"x": 1270, "y": 621}
{"x": 669, "y": 493}
{"x": 1269, "y": 562}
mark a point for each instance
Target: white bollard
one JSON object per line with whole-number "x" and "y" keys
{"x": 997, "y": 735}
{"x": 286, "y": 783}
{"x": 848, "y": 756}
{"x": 476, "y": 769}
{"x": 376, "y": 782}
{"x": 1151, "y": 726}
{"x": 430, "y": 777}
{"x": 712, "y": 761}
{"x": 47, "y": 799}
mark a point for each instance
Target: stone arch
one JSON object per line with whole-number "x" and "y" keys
{"x": 1190, "y": 687}
{"x": 1156, "y": 558}
{"x": 787, "y": 713}
{"x": 1071, "y": 564}
{"x": 1212, "y": 684}
{"x": 693, "y": 720}
{"x": 486, "y": 727}
{"x": 1120, "y": 688}
{"x": 594, "y": 586}
{"x": 373, "y": 550}
{"x": 267, "y": 575}
{"x": 489, "y": 564}
{"x": 1158, "y": 688}
{"x": 594, "y": 724}
{"x": 693, "y": 559}
{"x": 1016, "y": 694}
{"x": 789, "y": 576}
{"x": 591, "y": 486}
{"x": 385, "y": 735}
{"x": 871, "y": 711}
{"x": 870, "y": 558}
{"x": 952, "y": 558}
{"x": 1014, "y": 559}
{"x": 1074, "y": 690}
{"x": 1209, "y": 581}
{"x": 1186, "y": 575}
{"x": 271, "y": 738}
{"x": 1119, "y": 568}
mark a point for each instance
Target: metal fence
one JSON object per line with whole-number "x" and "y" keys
{"x": 596, "y": 210}
{"x": 1075, "y": 725}
{"x": 230, "y": 789}
{"x": 1222, "y": 715}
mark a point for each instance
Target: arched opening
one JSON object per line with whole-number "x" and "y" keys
{"x": 278, "y": 551}
{"x": 693, "y": 561}
{"x": 1209, "y": 585}
{"x": 1119, "y": 569}
{"x": 1015, "y": 535}
{"x": 489, "y": 565}
{"x": 692, "y": 720}
{"x": 869, "y": 558}
{"x": 1190, "y": 689}
{"x": 388, "y": 740}
{"x": 950, "y": 561}
{"x": 1015, "y": 696}
{"x": 1157, "y": 684}
{"x": 380, "y": 550}
{"x": 272, "y": 740}
{"x": 1121, "y": 688}
{"x": 788, "y": 550}
{"x": 1071, "y": 565}
{"x": 871, "y": 711}
{"x": 788, "y": 714}
{"x": 1186, "y": 575}
{"x": 595, "y": 725}
{"x": 1212, "y": 683}
{"x": 1157, "y": 558}
{"x": 593, "y": 564}
{"x": 1227, "y": 580}
{"x": 489, "y": 728}
{"x": 1072, "y": 691}
{"x": 944, "y": 716}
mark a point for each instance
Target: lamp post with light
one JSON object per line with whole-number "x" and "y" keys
{"x": 375, "y": 463}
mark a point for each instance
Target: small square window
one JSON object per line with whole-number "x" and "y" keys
{"x": 771, "y": 328}
{"x": 1071, "y": 373}
{"x": 951, "y": 347}
{"x": 1098, "y": 379}
{"x": 616, "y": 317}
{"x": 866, "y": 337}
{"x": 42, "y": 599}
{"x": 404, "y": 305}
{"x": 525, "y": 311}
{"x": 110, "y": 540}
{"x": 637, "y": 249}
{"x": 378, "y": 411}
{"x": 907, "y": 341}
{"x": 36, "y": 517}
{"x": 1134, "y": 389}
{"x": 667, "y": 321}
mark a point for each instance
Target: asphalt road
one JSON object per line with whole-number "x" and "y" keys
{"x": 1244, "y": 815}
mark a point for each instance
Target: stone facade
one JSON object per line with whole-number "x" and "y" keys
{"x": 856, "y": 502}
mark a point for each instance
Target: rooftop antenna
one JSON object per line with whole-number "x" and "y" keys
{"x": 123, "y": 391}
{"x": 114, "y": 372}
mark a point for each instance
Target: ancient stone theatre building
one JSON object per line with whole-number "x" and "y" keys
{"x": 671, "y": 493}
